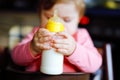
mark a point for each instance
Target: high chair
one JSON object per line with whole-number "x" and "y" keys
{"x": 14, "y": 72}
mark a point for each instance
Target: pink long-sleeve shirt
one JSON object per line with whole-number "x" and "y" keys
{"x": 85, "y": 57}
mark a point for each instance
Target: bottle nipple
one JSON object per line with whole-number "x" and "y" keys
{"x": 55, "y": 23}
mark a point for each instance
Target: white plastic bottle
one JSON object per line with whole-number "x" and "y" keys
{"x": 52, "y": 61}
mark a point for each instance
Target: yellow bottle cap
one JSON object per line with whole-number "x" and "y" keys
{"x": 55, "y": 24}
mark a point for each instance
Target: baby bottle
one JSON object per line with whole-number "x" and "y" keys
{"x": 52, "y": 61}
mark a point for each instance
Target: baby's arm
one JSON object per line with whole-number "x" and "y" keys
{"x": 85, "y": 56}
{"x": 21, "y": 54}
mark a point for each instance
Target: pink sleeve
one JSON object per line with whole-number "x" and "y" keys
{"x": 85, "y": 56}
{"x": 21, "y": 54}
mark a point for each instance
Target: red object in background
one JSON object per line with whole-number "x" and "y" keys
{"x": 84, "y": 20}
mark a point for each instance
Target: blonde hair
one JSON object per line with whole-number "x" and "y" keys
{"x": 48, "y": 4}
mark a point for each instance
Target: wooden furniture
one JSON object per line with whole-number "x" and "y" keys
{"x": 107, "y": 58}
{"x": 20, "y": 75}
{"x": 14, "y": 72}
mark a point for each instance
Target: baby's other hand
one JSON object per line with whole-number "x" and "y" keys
{"x": 65, "y": 45}
{"x": 41, "y": 41}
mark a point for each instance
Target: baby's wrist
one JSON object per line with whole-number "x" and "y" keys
{"x": 34, "y": 50}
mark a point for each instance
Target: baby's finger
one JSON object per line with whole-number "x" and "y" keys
{"x": 61, "y": 41}
{"x": 45, "y": 39}
{"x": 43, "y": 32}
{"x": 44, "y": 46}
{"x": 62, "y": 51}
{"x": 60, "y": 46}
{"x": 64, "y": 34}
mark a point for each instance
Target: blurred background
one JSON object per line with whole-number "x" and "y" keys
{"x": 102, "y": 19}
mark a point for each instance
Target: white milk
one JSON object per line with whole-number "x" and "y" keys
{"x": 52, "y": 62}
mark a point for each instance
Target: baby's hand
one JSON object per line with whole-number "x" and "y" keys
{"x": 65, "y": 45}
{"x": 41, "y": 40}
